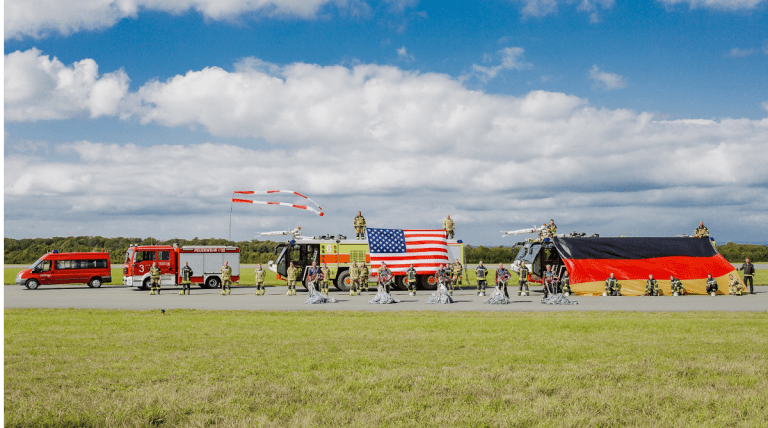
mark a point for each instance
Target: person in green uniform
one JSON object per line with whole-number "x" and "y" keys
{"x": 523, "y": 282}
{"x": 292, "y": 273}
{"x": 711, "y": 285}
{"x": 326, "y": 283}
{"x": 676, "y": 285}
{"x": 481, "y": 272}
{"x": 456, "y": 272}
{"x": 186, "y": 279}
{"x": 651, "y": 286}
{"x": 260, "y": 276}
{"x": 449, "y": 226}
{"x": 354, "y": 276}
{"x": 154, "y": 278}
{"x": 410, "y": 280}
{"x": 359, "y": 226}
{"x": 364, "y": 273}
{"x": 226, "y": 279}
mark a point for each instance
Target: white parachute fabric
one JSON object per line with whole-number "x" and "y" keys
{"x": 316, "y": 297}
{"x": 558, "y": 299}
{"x": 498, "y": 297}
{"x": 383, "y": 298}
{"x": 440, "y": 296}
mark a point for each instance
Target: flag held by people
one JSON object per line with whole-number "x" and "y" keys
{"x": 426, "y": 249}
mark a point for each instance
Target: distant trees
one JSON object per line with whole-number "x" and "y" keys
{"x": 736, "y": 253}
{"x": 488, "y": 255}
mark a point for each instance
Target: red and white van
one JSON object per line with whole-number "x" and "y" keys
{"x": 67, "y": 268}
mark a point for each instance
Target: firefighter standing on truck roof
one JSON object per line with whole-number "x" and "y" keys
{"x": 259, "y": 275}
{"x": 448, "y": 226}
{"x": 186, "y": 279}
{"x": 359, "y": 226}
{"x": 291, "y": 280}
{"x": 154, "y": 278}
{"x": 226, "y": 279}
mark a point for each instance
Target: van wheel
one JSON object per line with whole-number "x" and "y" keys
{"x": 145, "y": 284}
{"x": 343, "y": 283}
{"x": 94, "y": 283}
{"x": 211, "y": 282}
{"x": 32, "y": 284}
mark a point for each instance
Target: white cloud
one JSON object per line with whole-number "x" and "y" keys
{"x": 415, "y": 137}
{"x": 38, "y": 18}
{"x": 511, "y": 59}
{"x": 540, "y": 8}
{"x": 741, "y": 53}
{"x": 403, "y": 55}
{"x": 764, "y": 105}
{"x": 38, "y": 87}
{"x": 716, "y": 4}
{"x": 606, "y": 80}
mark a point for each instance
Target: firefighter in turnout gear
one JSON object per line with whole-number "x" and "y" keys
{"x": 701, "y": 231}
{"x": 502, "y": 277}
{"x": 481, "y": 273}
{"x": 359, "y": 226}
{"x": 364, "y": 273}
{"x": 186, "y": 279}
{"x": 456, "y": 272}
{"x": 154, "y": 279}
{"x": 260, "y": 275}
{"x": 612, "y": 286}
{"x": 552, "y": 228}
{"x": 523, "y": 282}
{"x": 448, "y": 226}
{"x": 325, "y": 285}
{"x": 651, "y": 286}
{"x": 314, "y": 275}
{"x": 226, "y": 279}
{"x": 676, "y": 286}
{"x": 385, "y": 277}
{"x": 410, "y": 280}
{"x": 354, "y": 276}
{"x": 292, "y": 274}
{"x": 711, "y": 285}
{"x": 734, "y": 286}
{"x": 565, "y": 283}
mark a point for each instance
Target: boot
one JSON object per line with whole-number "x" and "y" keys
{"x": 229, "y": 290}
{"x": 181, "y": 293}
{"x": 152, "y": 293}
{"x": 158, "y": 291}
{"x": 223, "y": 293}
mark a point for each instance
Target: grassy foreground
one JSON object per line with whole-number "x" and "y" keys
{"x": 210, "y": 368}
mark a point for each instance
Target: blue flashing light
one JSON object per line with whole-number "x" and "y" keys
{"x": 460, "y": 241}
{"x": 293, "y": 241}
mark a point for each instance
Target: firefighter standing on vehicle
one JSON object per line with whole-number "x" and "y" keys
{"x": 701, "y": 231}
{"x": 259, "y": 275}
{"x": 711, "y": 285}
{"x": 481, "y": 272}
{"x": 359, "y": 226}
{"x": 364, "y": 273}
{"x": 651, "y": 286}
{"x": 456, "y": 271}
{"x": 154, "y": 278}
{"x": 354, "y": 275}
{"x": 186, "y": 279}
{"x": 552, "y": 228}
{"x": 326, "y": 283}
{"x": 523, "y": 282}
{"x": 292, "y": 273}
{"x": 226, "y": 279}
{"x": 410, "y": 280}
{"x": 448, "y": 226}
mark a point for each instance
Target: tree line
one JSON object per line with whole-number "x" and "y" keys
{"x": 26, "y": 251}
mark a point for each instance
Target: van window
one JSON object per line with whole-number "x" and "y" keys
{"x": 165, "y": 255}
{"x": 143, "y": 256}
{"x": 63, "y": 264}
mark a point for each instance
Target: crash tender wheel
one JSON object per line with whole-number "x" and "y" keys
{"x": 32, "y": 284}
{"x": 401, "y": 282}
{"x": 428, "y": 282}
{"x": 343, "y": 282}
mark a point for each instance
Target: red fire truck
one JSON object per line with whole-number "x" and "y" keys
{"x": 205, "y": 261}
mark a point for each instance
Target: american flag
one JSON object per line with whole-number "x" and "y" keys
{"x": 398, "y": 248}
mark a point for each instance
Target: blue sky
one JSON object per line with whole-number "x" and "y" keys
{"x": 633, "y": 118}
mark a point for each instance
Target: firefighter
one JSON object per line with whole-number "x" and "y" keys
{"x": 292, "y": 273}
{"x": 676, "y": 286}
{"x": 359, "y": 226}
{"x": 552, "y": 228}
{"x": 443, "y": 274}
{"x": 354, "y": 275}
{"x": 313, "y": 275}
{"x": 226, "y": 279}
{"x": 154, "y": 279}
{"x": 711, "y": 285}
{"x": 385, "y": 277}
{"x": 749, "y": 273}
{"x": 550, "y": 282}
{"x": 651, "y": 286}
{"x": 410, "y": 280}
{"x": 364, "y": 273}
{"x": 186, "y": 279}
{"x": 734, "y": 286}
{"x": 259, "y": 275}
{"x": 448, "y": 226}
{"x": 502, "y": 277}
{"x": 481, "y": 273}
{"x": 565, "y": 283}
{"x": 523, "y": 282}
{"x": 701, "y": 231}
{"x": 612, "y": 286}
{"x": 456, "y": 271}
{"x": 326, "y": 278}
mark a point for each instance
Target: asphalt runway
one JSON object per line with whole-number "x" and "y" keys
{"x": 243, "y": 298}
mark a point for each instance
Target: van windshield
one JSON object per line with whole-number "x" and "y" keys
{"x": 41, "y": 265}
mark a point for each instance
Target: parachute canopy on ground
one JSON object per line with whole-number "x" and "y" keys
{"x": 591, "y": 260}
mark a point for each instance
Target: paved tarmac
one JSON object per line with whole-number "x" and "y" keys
{"x": 243, "y": 298}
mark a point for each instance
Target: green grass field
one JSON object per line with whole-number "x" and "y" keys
{"x": 210, "y": 368}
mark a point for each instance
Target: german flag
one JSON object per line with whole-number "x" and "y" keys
{"x": 591, "y": 260}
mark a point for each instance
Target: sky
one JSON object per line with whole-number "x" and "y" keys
{"x": 140, "y": 118}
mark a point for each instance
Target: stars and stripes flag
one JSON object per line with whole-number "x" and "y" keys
{"x": 425, "y": 248}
